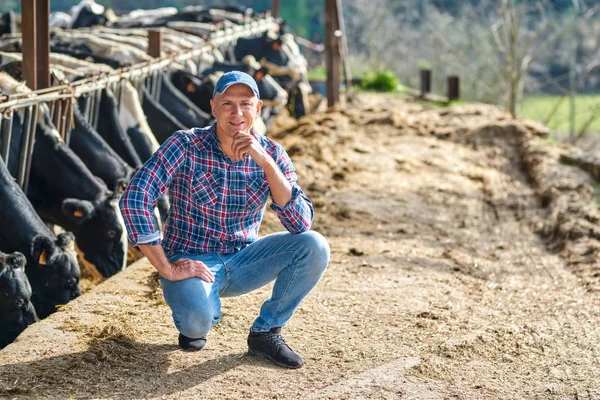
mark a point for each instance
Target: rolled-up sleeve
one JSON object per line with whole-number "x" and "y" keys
{"x": 145, "y": 188}
{"x": 297, "y": 214}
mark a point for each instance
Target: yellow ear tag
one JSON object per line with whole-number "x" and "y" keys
{"x": 190, "y": 88}
{"x": 276, "y": 46}
{"x": 42, "y": 259}
{"x": 78, "y": 213}
{"x": 259, "y": 75}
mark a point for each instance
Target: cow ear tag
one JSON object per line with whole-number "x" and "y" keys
{"x": 42, "y": 259}
{"x": 78, "y": 213}
{"x": 259, "y": 76}
{"x": 190, "y": 88}
{"x": 276, "y": 46}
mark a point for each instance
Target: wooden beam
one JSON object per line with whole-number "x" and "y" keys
{"x": 453, "y": 88}
{"x": 275, "y": 8}
{"x": 332, "y": 53}
{"x": 425, "y": 81}
{"x": 42, "y": 43}
{"x": 155, "y": 43}
{"x": 28, "y": 48}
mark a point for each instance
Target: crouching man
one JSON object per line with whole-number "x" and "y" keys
{"x": 219, "y": 179}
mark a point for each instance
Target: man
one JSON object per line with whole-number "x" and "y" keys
{"x": 219, "y": 178}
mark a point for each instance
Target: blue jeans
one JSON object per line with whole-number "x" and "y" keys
{"x": 295, "y": 261}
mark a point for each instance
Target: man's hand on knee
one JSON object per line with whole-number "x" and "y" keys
{"x": 185, "y": 268}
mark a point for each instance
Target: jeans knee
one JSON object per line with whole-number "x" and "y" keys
{"x": 195, "y": 324}
{"x": 317, "y": 248}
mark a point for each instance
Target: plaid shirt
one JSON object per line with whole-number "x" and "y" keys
{"x": 216, "y": 205}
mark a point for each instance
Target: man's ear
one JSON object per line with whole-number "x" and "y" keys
{"x": 259, "y": 107}
{"x": 77, "y": 210}
{"x": 212, "y": 107}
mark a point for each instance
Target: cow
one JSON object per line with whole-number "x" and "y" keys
{"x": 52, "y": 268}
{"x": 162, "y": 123}
{"x": 16, "y": 310}
{"x": 90, "y": 13}
{"x": 97, "y": 155}
{"x": 182, "y": 108}
{"x": 9, "y": 23}
{"x": 281, "y": 56}
{"x": 63, "y": 191}
{"x": 86, "y": 45}
{"x": 109, "y": 127}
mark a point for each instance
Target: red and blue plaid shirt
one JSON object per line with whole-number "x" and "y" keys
{"x": 216, "y": 205}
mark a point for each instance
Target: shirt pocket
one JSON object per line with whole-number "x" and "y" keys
{"x": 205, "y": 188}
{"x": 257, "y": 190}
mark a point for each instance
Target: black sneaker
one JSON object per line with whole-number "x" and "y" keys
{"x": 270, "y": 345}
{"x": 189, "y": 344}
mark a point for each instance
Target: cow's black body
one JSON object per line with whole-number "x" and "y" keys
{"x": 97, "y": 155}
{"x": 162, "y": 123}
{"x": 110, "y": 129}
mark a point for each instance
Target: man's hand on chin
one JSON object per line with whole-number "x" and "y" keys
{"x": 244, "y": 143}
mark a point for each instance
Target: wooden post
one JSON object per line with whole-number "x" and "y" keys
{"x": 28, "y": 48}
{"x": 425, "y": 82}
{"x": 453, "y": 88}
{"x": 275, "y": 8}
{"x": 332, "y": 53}
{"x": 155, "y": 43}
{"x": 344, "y": 47}
{"x": 42, "y": 43}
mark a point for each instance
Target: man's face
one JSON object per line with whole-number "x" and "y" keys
{"x": 236, "y": 109}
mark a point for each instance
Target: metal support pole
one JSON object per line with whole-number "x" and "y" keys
{"x": 332, "y": 53}
{"x": 30, "y": 145}
{"x": 453, "y": 88}
{"x": 6, "y": 135}
{"x": 425, "y": 81}
{"x": 23, "y": 150}
{"x": 28, "y": 49}
{"x": 155, "y": 43}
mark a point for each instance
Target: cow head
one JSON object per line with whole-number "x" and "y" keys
{"x": 16, "y": 310}
{"x": 100, "y": 233}
{"x": 55, "y": 277}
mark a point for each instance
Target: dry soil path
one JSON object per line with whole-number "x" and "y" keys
{"x": 441, "y": 284}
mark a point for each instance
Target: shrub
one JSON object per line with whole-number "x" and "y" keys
{"x": 382, "y": 81}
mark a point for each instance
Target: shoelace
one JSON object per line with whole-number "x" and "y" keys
{"x": 277, "y": 339}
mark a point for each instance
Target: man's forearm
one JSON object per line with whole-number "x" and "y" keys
{"x": 279, "y": 185}
{"x": 157, "y": 257}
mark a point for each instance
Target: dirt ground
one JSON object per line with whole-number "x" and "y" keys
{"x": 465, "y": 265}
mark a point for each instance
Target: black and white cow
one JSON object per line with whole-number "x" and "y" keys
{"x": 282, "y": 58}
{"x": 97, "y": 155}
{"x": 16, "y": 310}
{"x": 182, "y": 108}
{"x": 52, "y": 268}
{"x": 109, "y": 127}
{"x": 63, "y": 191}
{"x": 161, "y": 121}
{"x": 9, "y": 23}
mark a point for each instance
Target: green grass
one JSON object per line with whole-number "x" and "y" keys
{"x": 318, "y": 74}
{"x": 537, "y": 107}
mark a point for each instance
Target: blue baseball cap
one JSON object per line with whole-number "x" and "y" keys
{"x": 233, "y": 77}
